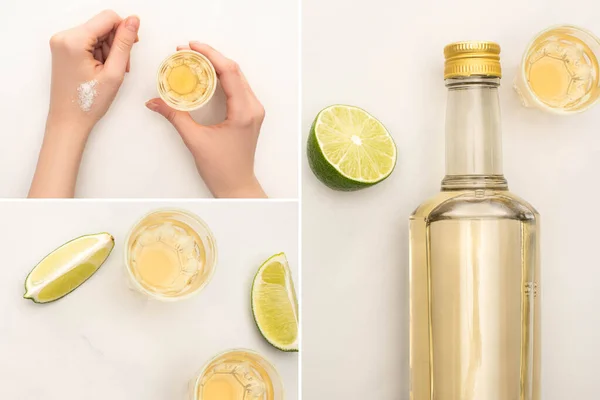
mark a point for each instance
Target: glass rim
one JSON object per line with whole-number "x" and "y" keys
{"x": 534, "y": 98}
{"x": 273, "y": 374}
{"x": 192, "y": 106}
{"x": 213, "y": 267}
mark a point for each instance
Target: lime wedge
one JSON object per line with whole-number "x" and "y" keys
{"x": 274, "y": 303}
{"x": 348, "y": 149}
{"x": 67, "y": 267}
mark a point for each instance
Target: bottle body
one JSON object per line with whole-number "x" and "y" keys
{"x": 474, "y": 297}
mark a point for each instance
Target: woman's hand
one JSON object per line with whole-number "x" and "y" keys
{"x": 89, "y": 63}
{"x": 88, "y": 66}
{"x": 224, "y": 153}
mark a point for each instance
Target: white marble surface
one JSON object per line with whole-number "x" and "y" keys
{"x": 386, "y": 56}
{"x": 104, "y": 341}
{"x": 134, "y": 152}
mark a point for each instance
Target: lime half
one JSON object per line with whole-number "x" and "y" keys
{"x": 274, "y": 303}
{"x": 349, "y": 149}
{"x": 67, "y": 267}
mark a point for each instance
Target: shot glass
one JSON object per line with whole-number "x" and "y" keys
{"x": 559, "y": 72}
{"x": 186, "y": 80}
{"x": 170, "y": 255}
{"x": 237, "y": 374}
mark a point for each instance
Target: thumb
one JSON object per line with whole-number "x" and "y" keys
{"x": 181, "y": 120}
{"x": 125, "y": 37}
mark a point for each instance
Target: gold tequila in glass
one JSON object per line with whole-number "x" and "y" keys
{"x": 559, "y": 71}
{"x": 186, "y": 80}
{"x": 474, "y": 255}
{"x": 170, "y": 254}
{"x": 238, "y": 375}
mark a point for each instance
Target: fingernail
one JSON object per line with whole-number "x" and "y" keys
{"x": 152, "y": 105}
{"x": 132, "y": 23}
{"x": 196, "y": 42}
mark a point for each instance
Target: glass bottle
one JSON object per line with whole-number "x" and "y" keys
{"x": 474, "y": 255}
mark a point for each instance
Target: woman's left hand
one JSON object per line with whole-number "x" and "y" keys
{"x": 89, "y": 63}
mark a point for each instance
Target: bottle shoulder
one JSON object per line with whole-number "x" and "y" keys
{"x": 475, "y": 204}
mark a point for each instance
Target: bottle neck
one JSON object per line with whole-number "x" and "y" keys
{"x": 473, "y": 134}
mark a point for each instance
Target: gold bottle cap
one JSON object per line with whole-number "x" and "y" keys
{"x": 472, "y": 58}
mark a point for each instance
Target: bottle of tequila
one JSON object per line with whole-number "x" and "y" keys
{"x": 474, "y": 255}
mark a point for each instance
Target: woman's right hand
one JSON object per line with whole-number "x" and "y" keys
{"x": 224, "y": 153}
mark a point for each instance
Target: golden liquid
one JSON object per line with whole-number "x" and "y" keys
{"x": 236, "y": 376}
{"x": 182, "y": 79}
{"x": 186, "y": 79}
{"x": 562, "y": 71}
{"x": 167, "y": 256}
{"x": 474, "y": 301}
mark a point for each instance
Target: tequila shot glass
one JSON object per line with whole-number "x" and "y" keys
{"x": 170, "y": 255}
{"x": 186, "y": 80}
{"x": 237, "y": 374}
{"x": 559, "y": 72}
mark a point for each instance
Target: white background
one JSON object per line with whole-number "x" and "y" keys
{"x": 134, "y": 152}
{"x": 386, "y": 56}
{"x": 104, "y": 341}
